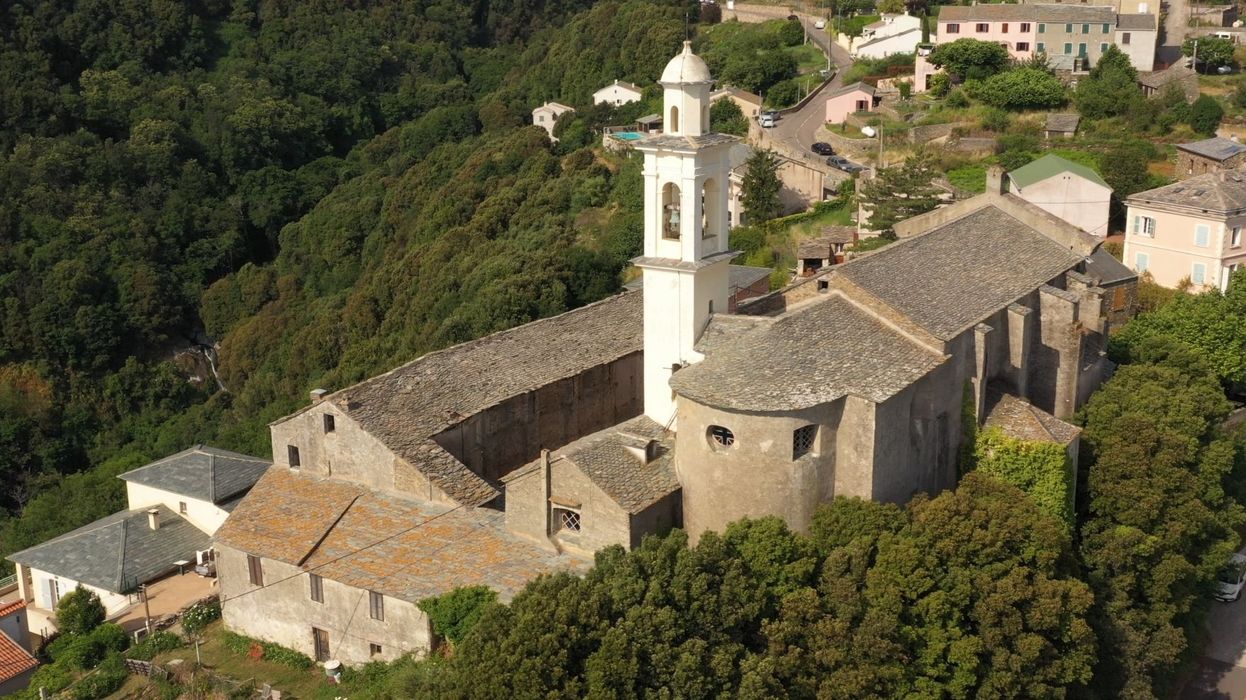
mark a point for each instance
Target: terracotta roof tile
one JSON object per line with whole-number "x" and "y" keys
{"x": 6, "y": 610}
{"x": 14, "y": 660}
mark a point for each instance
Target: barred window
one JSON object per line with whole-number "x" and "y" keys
{"x": 803, "y": 439}
{"x": 721, "y": 437}
{"x": 567, "y": 519}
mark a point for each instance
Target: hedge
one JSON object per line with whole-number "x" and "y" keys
{"x": 1041, "y": 469}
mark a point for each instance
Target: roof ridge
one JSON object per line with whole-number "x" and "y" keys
{"x": 125, "y": 526}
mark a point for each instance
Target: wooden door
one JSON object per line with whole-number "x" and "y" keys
{"x": 320, "y": 640}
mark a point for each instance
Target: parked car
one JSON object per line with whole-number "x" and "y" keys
{"x": 766, "y": 121}
{"x": 844, "y": 164}
{"x": 822, "y": 149}
{"x": 820, "y": 24}
{"x": 1231, "y": 579}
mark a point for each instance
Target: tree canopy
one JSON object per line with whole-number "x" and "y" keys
{"x": 759, "y": 190}
{"x": 970, "y": 59}
{"x": 901, "y": 192}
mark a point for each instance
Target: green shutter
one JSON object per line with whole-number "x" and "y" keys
{"x": 1042, "y": 48}
{"x": 1068, "y": 28}
{"x": 1068, "y": 49}
{"x": 1042, "y": 28}
{"x": 1103, "y": 48}
{"x": 1085, "y": 29}
{"x": 1105, "y": 29}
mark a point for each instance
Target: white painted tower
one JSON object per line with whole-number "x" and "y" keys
{"x": 686, "y": 257}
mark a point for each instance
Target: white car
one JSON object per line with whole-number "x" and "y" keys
{"x": 767, "y": 121}
{"x": 820, "y": 24}
{"x": 1231, "y": 579}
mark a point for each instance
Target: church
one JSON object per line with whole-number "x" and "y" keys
{"x": 522, "y": 453}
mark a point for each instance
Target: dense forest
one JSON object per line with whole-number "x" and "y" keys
{"x": 320, "y": 189}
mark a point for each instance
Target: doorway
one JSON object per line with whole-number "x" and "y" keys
{"x": 320, "y": 642}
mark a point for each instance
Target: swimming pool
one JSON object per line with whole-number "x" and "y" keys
{"x": 628, "y": 135}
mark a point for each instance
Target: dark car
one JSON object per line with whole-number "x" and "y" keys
{"x": 844, "y": 164}
{"x": 822, "y": 149}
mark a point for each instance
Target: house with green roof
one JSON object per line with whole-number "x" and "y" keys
{"x": 1071, "y": 191}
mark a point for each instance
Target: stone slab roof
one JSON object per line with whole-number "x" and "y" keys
{"x": 1051, "y": 165}
{"x": 405, "y": 407}
{"x": 384, "y": 542}
{"x": 1136, "y": 22}
{"x": 1094, "y": 14}
{"x": 605, "y": 459}
{"x": 203, "y": 473}
{"x": 1219, "y": 192}
{"x": 958, "y": 273}
{"x": 815, "y": 248}
{"x": 119, "y": 551}
{"x": 1062, "y": 123}
{"x": 724, "y": 328}
{"x": 672, "y": 141}
{"x": 741, "y": 276}
{"x": 846, "y": 89}
{"x": 1107, "y": 270}
{"x": 1175, "y": 72}
{"x": 1216, "y": 148}
{"x": 812, "y": 355}
{"x": 1021, "y": 420}
{"x": 14, "y": 660}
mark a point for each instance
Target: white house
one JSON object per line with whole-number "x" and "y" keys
{"x": 1071, "y": 191}
{"x": 891, "y": 34}
{"x": 547, "y": 114}
{"x": 620, "y": 92}
{"x": 174, "y": 506}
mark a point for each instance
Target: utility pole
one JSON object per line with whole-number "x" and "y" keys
{"x": 146, "y": 608}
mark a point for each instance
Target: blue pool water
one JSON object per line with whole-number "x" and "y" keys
{"x": 628, "y": 135}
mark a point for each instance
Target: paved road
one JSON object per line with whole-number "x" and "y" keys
{"x": 1175, "y": 24}
{"x": 1222, "y": 670}
{"x": 797, "y": 131}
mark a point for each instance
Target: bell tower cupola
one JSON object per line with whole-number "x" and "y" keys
{"x": 686, "y": 258}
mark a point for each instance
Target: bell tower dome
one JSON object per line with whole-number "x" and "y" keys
{"x": 685, "y": 263}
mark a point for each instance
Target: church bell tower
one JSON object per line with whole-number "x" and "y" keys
{"x": 685, "y": 263}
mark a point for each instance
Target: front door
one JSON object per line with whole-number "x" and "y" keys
{"x": 320, "y": 640}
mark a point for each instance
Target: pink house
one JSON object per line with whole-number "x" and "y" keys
{"x": 857, "y": 97}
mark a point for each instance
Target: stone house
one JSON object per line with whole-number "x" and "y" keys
{"x": 1189, "y": 230}
{"x": 620, "y": 92}
{"x": 850, "y": 99}
{"x": 547, "y": 115}
{"x": 1071, "y": 191}
{"x": 1177, "y": 74}
{"x": 1061, "y": 126}
{"x": 174, "y": 505}
{"x": 1211, "y": 155}
{"x": 523, "y": 452}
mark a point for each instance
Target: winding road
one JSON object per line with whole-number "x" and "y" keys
{"x": 798, "y": 130}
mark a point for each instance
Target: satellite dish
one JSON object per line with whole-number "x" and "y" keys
{"x": 869, "y": 131}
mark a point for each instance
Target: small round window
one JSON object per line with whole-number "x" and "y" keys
{"x": 721, "y": 437}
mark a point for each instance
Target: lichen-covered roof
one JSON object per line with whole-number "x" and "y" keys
{"x": 405, "y": 407}
{"x": 1062, "y": 123}
{"x": 1219, "y": 192}
{"x": 1020, "y": 419}
{"x": 955, "y": 275}
{"x": 605, "y": 459}
{"x": 384, "y": 542}
{"x": 201, "y": 472}
{"x": 1216, "y": 148}
{"x": 119, "y": 551}
{"x": 813, "y": 355}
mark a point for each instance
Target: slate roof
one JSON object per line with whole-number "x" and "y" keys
{"x": 119, "y": 551}
{"x": 405, "y": 407}
{"x": 957, "y": 274}
{"x": 1136, "y": 22}
{"x": 1216, "y": 148}
{"x": 1063, "y": 123}
{"x": 394, "y": 545}
{"x": 605, "y": 459}
{"x": 814, "y": 248}
{"x": 741, "y": 276}
{"x": 14, "y": 660}
{"x": 864, "y": 87}
{"x": 203, "y": 473}
{"x": 1175, "y": 72}
{"x": 1105, "y": 268}
{"x": 685, "y": 142}
{"x": 1021, "y": 420}
{"x": 1094, "y": 14}
{"x": 818, "y": 353}
{"x": 1051, "y": 165}
{"x": 1219, "y": 192}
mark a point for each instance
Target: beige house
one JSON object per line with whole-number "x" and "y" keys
{"x": 524, "y": 452}
{"x": 1071, "y": 191}
{"x": 749, "y": 104}
{"x": 174, "y": 505}
{"x": 547, "y": 115}
{"x": 1211, "y": 155}
{"x": 1190, "y": 230}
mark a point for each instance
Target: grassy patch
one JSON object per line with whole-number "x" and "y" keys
{"x": 809, "y": 58}
{"x": 971, "y": 178}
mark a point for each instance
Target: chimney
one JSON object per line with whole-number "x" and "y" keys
{"x": 153, "y": 518}
{"x": 996, "y": 181}
{"x": 644, "y": 449}
{"x": 317, "y": 395}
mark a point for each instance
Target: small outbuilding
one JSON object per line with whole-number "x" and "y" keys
{"x": 1209, "y": 156}
{"x": 850, "y": 99}
{"x": 1062, "y": 125}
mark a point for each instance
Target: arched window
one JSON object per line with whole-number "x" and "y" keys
{"x": 720, "y": 437}
{"x": 673, "y": 127}
{"x": 670, "y": 211}
{"x": 711, "y": 215}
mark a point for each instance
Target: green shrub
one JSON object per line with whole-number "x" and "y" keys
{"x": 957, "y": 98}
{"x": 154, "y": 644}
{"x": 1041, "y": 469}
{"x": 454, "y": 613}
{"x": 52, "y": 677}
{"x": 268, "y": 651}
{"x": 994, "y": 119}
{"x": 1021, "y": 88}
{"x": 85, "y": 651}
{"x": 79, "y": 611}
{"x": 199, "y": 616}
{"x": 105, "y": 681}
